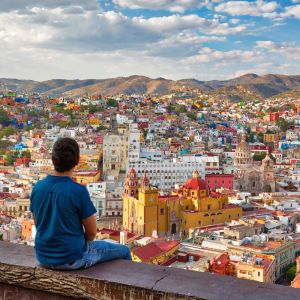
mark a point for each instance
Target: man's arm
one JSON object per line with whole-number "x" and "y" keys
{"x": 33, "y": 219}
{"x": 90, "y": 227}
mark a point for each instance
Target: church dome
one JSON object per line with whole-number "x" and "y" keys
{"x": 243, "y": 154}
{"x": 195, "y": 183}
{"x": 243, "y": 146}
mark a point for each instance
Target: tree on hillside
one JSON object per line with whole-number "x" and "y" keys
{"x": 261, "y": 156}
{"x": 3, "y": 116}
{"x": 283, "y": 124}
{"x": 5, "y": 145}
{"x": 94, "y": 108}
{"x": 191, "y": 116}
{"x": 112, "y": 102}
{"x": 7, "y": 131}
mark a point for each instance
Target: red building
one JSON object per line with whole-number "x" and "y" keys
{"x": 274, "y": 116}
{"x": 143, "y": 125}
{"x": 23, "y": 161}
{"x": 222, "y": 265}
{"x": 216, "y": 181}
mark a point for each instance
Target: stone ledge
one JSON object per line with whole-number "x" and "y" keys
{"x": 122, "y": 280}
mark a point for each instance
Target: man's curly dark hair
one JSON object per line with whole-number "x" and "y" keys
{"x": 65, "y": 154}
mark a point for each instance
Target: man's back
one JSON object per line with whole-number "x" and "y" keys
{"x": 59, "y": 205}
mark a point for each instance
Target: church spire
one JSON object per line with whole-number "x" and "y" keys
{"x": 145, "y": 183}
{"x": 131, "y": 183}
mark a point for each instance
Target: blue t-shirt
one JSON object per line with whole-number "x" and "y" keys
{"x": 59, "y": 205}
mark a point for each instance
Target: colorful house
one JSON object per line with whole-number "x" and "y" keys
{"x": 156, "y": 252}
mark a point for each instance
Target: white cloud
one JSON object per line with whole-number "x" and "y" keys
{"x": 102, "y": 31}
{"x": 178, "y": 6}
{"x": 181, "y": 45}
{"x": 177, "y": 22}
{"x": 207, "y": 55}
{"x": 10, "y": 5}
{"x": 75, "y": 38}
{"x": 292, "y": 11}
{"x": 258, "y": 8}
{"x": 290, "y": 51}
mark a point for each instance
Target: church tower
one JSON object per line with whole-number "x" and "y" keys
{"x": 268, "y": 174}
{"x": 147, "y": 211}
{"x": 130, "y": 201}
{"x": 131, "y": 184}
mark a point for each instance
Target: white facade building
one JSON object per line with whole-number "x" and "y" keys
{"x": 167, "y": 173}
{"x": 134, "y": 142}
{"x": 97, "y": 192}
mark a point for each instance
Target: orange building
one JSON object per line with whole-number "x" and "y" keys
{"x": 27, "y": 229}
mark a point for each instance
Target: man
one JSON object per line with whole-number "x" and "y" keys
{"x": 65, "y": 217}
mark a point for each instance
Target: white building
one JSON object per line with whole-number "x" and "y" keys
{"x": 121, "y": 119}
{"x": 167, "y": 173}
{"x": 97, "y": 192}
{"x": 115, "y": 154}
{"x": 134, "y": 143}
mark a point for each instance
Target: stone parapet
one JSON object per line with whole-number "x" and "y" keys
{"x": 120, "y": 280}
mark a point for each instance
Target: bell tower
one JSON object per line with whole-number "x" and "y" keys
{"x": 148, "y": 202}
{"x": 268, "y": 173}
{"x": 131, "y": 184}
{"x": 130, "y": 201}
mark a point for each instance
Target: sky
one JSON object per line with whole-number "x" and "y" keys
{"x": 175, "y": 39}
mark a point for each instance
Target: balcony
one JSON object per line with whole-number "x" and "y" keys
{"x": 21, "y": 277}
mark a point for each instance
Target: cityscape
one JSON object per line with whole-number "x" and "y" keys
{"x": 193, "y": 172}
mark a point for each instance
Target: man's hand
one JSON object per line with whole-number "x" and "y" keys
{"x": 90, "y": 228}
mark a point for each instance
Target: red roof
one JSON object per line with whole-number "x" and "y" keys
{"x": 154, "y": 249}
{"x": 195, "y": 184}
{"x": 219, "y": 264}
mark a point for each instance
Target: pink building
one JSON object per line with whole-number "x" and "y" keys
{"x": 216, "y": 181}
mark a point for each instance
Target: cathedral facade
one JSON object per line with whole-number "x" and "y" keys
{"x": 192, "y": 205}
{"x": 250, "y": 177}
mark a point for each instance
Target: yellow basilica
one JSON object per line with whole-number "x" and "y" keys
{"x": 193, "y": 205}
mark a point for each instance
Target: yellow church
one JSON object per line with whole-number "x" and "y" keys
{"x": 192, "y": 205}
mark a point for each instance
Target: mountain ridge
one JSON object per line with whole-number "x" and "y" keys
{"x": 235, "y": 89}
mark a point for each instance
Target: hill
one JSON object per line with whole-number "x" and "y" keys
{"x": 236, "y": 89}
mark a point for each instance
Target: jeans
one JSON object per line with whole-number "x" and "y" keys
{"x": 97, "y": 252}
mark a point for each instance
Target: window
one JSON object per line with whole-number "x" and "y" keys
{"x": 208, "y": 207}
{"x": 258, "y": 273}
{"x": 162, "y": 211}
